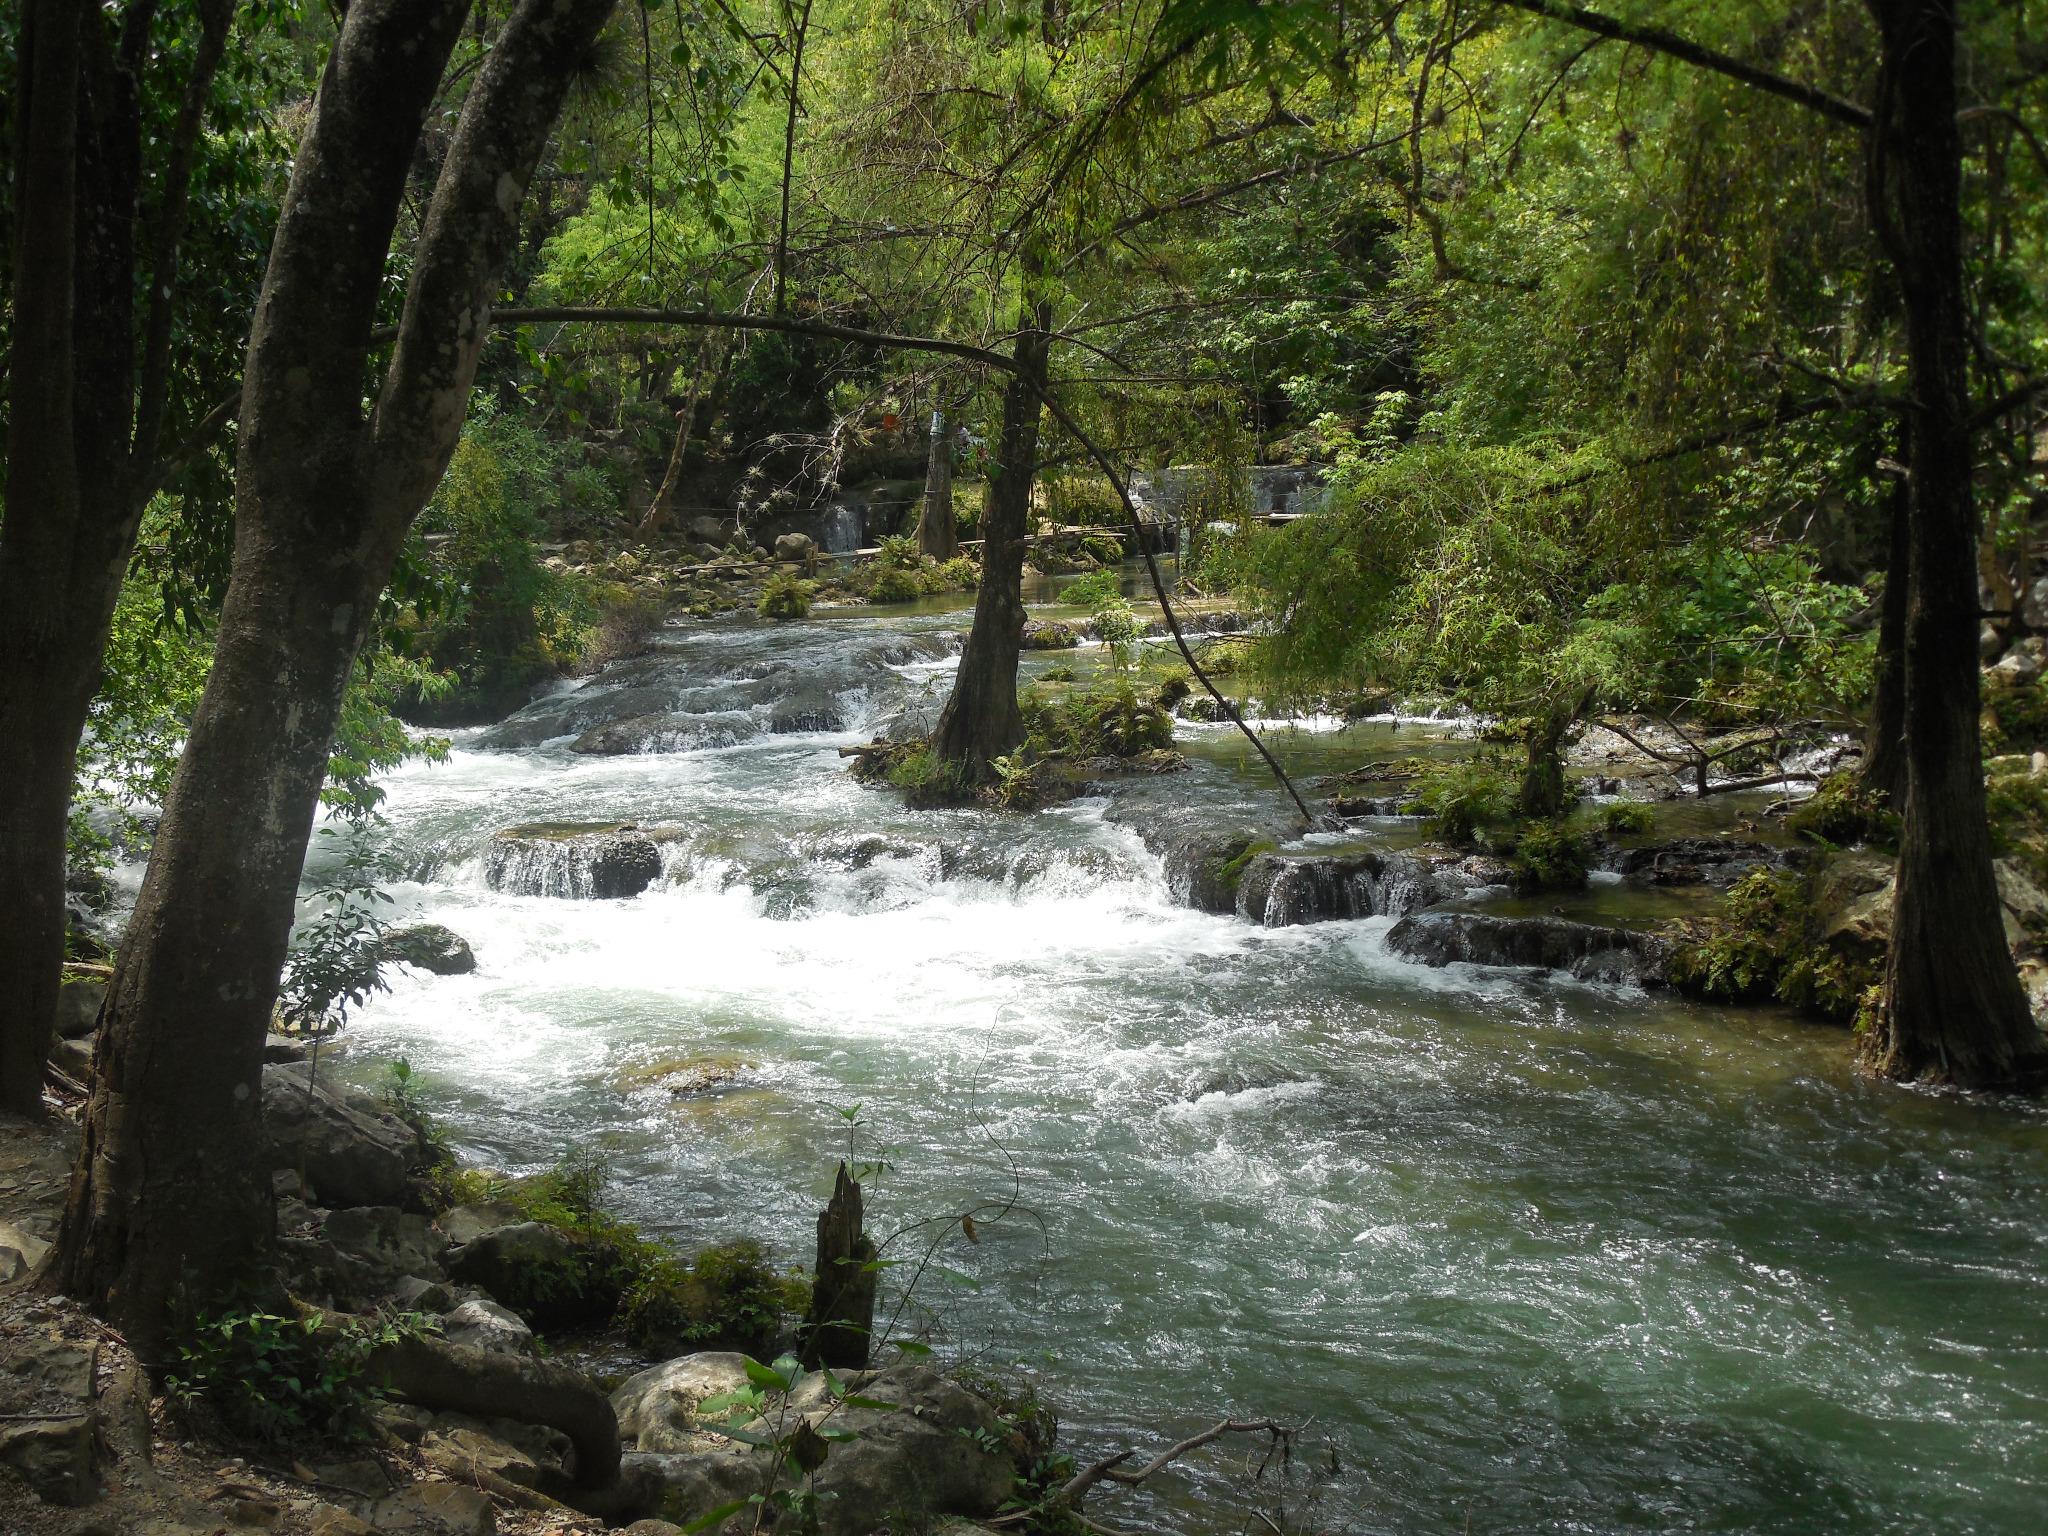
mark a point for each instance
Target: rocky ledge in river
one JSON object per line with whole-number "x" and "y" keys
{"x": 596, "y": 861}
{"x": 1585, "y": 950}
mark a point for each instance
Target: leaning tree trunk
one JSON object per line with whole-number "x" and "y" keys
{"x": 1952, "y": 1008}
{"x": 981, "y": 721}
{"x": 170, "y": 1204}
{"x": 937, "y": 535}
{"x": 1884, "y": 745}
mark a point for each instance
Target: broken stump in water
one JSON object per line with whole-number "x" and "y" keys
{"x": 838, "y": 1332}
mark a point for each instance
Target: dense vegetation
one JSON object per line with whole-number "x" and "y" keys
{"x": 1675, "y": 366}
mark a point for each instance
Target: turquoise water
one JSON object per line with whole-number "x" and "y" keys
{"x": 1531, "y": 1255}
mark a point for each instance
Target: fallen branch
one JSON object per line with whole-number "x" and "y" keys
{"x": 1111, "y": 1468}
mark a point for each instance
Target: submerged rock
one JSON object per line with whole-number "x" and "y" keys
{"x": 665, "y": 733}
{"x": 430, "y": 947}
{"x": 1696, "y": 860}
{"x": 597, "y": 862}
{"x": 1585, "y": 950}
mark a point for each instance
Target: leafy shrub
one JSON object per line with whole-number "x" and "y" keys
{"x": 898, "y": 552}
{"x": 959, "y": 574}
{"x": 1842, "y": 812}
{"x": 1464, "y": 801}
{"x": 1117, "y": 628}
{"x": 1111, "y": 719}
{"x": 895, "y": 586}
{"x": 2015, "y": 715}
{"x": 1760, "y": 947}
{"x": 1625, "y": 817}
{"x": 2016, "y": 802}
{"x": 267, "y": 1377}
{"x": 726, "y": 1296}
{"x": 1095, "y": 588}
{"x": 927, "y": 779}
{"x": 1549, "y": 855}
{"x": 785, "y": 596}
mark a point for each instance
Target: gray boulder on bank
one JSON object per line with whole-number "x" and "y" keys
{"x": 934, "y": 1450}
{"x": 352, "y": 1151}
{"x": 1585, "y": 950}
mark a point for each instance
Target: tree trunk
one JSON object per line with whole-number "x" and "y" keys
{"x": 981, "y": 721}
{"x": 1952, "y": 1009}
{"x": 81, "y": 440}
{"x": 170, "y": 1209}
{"x": 937, "y": 534}
{"x": 840, "y": 1329}
{"x": 1884, "y": 746}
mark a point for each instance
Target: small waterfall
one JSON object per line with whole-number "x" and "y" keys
{"x": 1280, "y": 891}
{"x": 600, "y": 865}
{"x": 842, "y": 528}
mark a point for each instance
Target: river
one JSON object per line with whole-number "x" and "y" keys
{"x": 1532, "y": 1255}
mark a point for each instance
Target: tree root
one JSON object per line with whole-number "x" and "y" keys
{"x": 463, "y": 1379}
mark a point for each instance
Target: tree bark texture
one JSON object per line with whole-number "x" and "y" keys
{"x": 981, "y": 721}
{"x": 1952, "y": 1008}
{"x": 937, "y": 534}
{"x": 1884, "y": 745}
{"x": 840, "y": 1329}
{"x": 82, "y": 437}
{"x": 168, "y": 1209}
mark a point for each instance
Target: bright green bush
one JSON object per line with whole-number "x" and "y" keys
{"x": 785, "y": 596}
{"x": 268, "y": 1377}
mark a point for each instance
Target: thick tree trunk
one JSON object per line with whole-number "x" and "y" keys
{"x": 981, "y": 721}
{"x": 169, "y": 1209}
{"x": 82, "y": 437}
{"x": 1884, "y": 743}
{"x": 42, "y": 497}
{"x": 937, "y": 534}
{"x": 1952, "y": 1007}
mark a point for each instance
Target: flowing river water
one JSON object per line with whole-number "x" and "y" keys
{"x": 1532, "y": 1255}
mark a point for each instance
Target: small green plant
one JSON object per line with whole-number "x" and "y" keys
{"x": 1843, "y": 813}
{"x": 761, "y": 1414}
{"x": 1549, "y": 855}
{"x": 898, "y": 552}
{"x": 927, "y": 779}
{"x": 786, "y": 596}
{"x": 891, "y": 585}
{"x": 402, "y": 1097}
{"x": 1626, "y": 817}
{"x": 959, "y": 574}
{"x": 266, "y": 1377}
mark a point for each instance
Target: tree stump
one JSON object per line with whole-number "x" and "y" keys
{"x": 838, "y": 1332}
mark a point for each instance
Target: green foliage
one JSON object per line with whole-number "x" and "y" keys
{"x": 959, "y": 574}
{"x": 2015, "y": 714}
{"x": 726, "y": 1296}
{"x": 891, "y": 585}
{"x": 898, "y": 552}
{"x": 784, "y": 596}
{"x": 1464, "y": 801}
{"x": 1095, "y": 588}
{"x": 1760, "y": 947}
{"x": 1626, "y": 817}
{"x": 1112, "y": 718}
{"x": 266, "y": 1377}
{"x": 1548, "y": 855}
{"x": 2016, "y": 803}
{"x": 1843, "y": 813}
{"x": 496, "y": 615}
{"x": 927, "y": 779}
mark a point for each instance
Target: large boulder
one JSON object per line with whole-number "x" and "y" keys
{"x": 352, "y": 1153}
{"x": 489, "y": 1327}
{"x": 795, "y": 546}
{"x": 528, "y": 1266}
{"x": 430, "y": 947}
{"x": 389, "y": 1242}
{"x": 920, "y": 1448}
{"x": 20, "y": 1252}
{"x": 592, "y": 862}
{"x": 78, "y": 1003}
